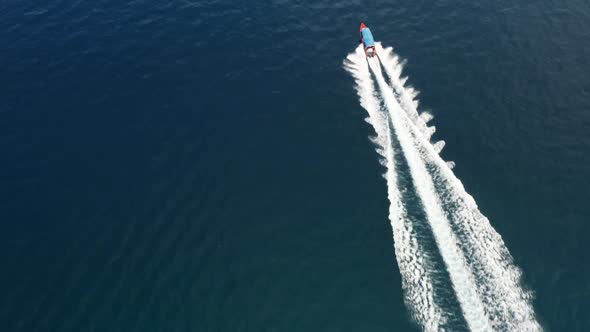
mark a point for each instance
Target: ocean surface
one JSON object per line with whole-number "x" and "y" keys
{"x": 206, "y": 165}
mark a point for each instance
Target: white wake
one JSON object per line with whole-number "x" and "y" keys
{"x": 480, "y": 267}
{"x": 499, "y": 280}
{"x": 462, "y": 280}
{"x": 416, "y": 281}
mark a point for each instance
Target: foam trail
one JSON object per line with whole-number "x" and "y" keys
{"x": 498, "y": 280}
{"x": 461, "y": 278}
{"x": 416, "y": 280}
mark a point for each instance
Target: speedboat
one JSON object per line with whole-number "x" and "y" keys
{"x": 367, "y": 41}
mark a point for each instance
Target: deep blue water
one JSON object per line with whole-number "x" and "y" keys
{"x": 205, "y": 166}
